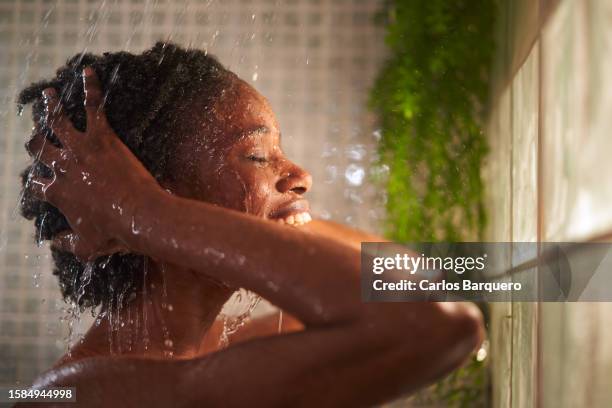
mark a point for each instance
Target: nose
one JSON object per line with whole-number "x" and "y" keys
{"x": 295, "y": 179}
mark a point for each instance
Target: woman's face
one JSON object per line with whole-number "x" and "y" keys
{"x": 229, "y": 154}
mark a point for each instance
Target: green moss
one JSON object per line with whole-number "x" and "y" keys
{"x": 430, "y": 98}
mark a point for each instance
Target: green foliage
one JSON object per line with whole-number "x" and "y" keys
{"x": 463, "y": 388}
{"x": 430, "y": 98}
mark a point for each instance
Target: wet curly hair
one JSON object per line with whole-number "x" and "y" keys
{"x": 141, "y": 91}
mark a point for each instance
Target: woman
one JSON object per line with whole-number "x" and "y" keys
{"x": 187, "y": 189}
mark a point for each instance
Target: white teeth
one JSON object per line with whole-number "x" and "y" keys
{"x": 297, "y": 219}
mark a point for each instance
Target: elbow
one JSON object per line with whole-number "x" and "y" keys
{"x": 467, "y": 325}
{"x": 423, "y": 341}
{"x": 443, "y": 335}
{"x": 439, "y": 324}
{"x": 462, "y": 332}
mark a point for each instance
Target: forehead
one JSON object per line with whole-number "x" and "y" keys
{"x": 237, "y": 113}
{"x": 240, "y": 109}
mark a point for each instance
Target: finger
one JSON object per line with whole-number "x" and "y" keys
{"x": 35, "y": 143}
{"x": 72, "y": 242}
{"x": 39, "y": 187}
{"x": 68, "y": 241}
{"x": 94, "y": 97}
{"x": 56, "y": 120}
{"x": 43, "y": 150}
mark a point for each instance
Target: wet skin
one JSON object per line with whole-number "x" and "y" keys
{"x": 218, "y": 230}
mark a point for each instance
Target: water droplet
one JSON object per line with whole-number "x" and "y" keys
{"x": 324, "y": 215}
{"x": 331, "y": 172}
{"x": 217, "y": 255}
{"x": 135, "y": 230}
{"x": 354, "y": 174}
{"x": 377, "y": 134}
{"x": 356, "y": 152}
{"x": 273, "y": 286}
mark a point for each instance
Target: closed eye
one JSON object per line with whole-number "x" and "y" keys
{"x": 258, "y": 159}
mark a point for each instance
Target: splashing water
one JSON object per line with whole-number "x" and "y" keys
{"x": 84, "y": 281}
{"x": 39, "y": 240}
{"x": 168, "y": 343}
{"x": 233, "y": 322}
{"x": 280, "y": 321}
{"x": 354, "y": 174}
{"x": 145, "y": 330}
{"x": 71, "y": 316}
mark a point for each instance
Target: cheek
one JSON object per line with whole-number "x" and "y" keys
{"x": 248, "y": 192}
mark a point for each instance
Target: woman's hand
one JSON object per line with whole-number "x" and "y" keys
{"x": 97, "y": 182}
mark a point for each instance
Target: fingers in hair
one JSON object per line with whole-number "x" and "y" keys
{"x": 94, "y": 97}
{"x": 39, "y": 187}
{"x": 65, "y": 241}
{"x": 56, "y": 120}
{"x": 43, "y": 150}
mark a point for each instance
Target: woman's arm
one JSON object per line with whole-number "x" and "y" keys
{"x": 339, "y": 232}
{"x": 355, "y": 365}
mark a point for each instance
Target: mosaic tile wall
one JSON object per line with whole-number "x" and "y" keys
{"x": 314, "y": 59}
{"x": 548, "y": 180}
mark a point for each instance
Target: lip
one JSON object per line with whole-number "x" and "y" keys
{"x": 291, "y": 208}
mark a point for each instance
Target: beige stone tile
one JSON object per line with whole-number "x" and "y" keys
{"x": 576, "y": 364}
{"x": 525, "y": 91}
{"x": 594, "y": 164}
{"x": 497, "y": 171}
{"x": 552, "y": 318}
{"x": 576, "y": 149}
{"x": 524, "y": 354}
{"x": 500, "y": 332}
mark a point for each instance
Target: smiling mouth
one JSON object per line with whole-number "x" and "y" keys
{"x": 296, "y": 220}
{"x": 295, "y": 213}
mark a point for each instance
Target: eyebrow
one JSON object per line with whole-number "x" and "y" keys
{"x": 259, "y": 130}
{"x": 255, "y": 131}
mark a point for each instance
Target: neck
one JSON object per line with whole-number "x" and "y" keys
{"x": 168, "y": 318}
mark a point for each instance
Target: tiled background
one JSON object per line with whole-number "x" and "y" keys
{"x": 549, "y": 178}
{"x": 314, "y": 59}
